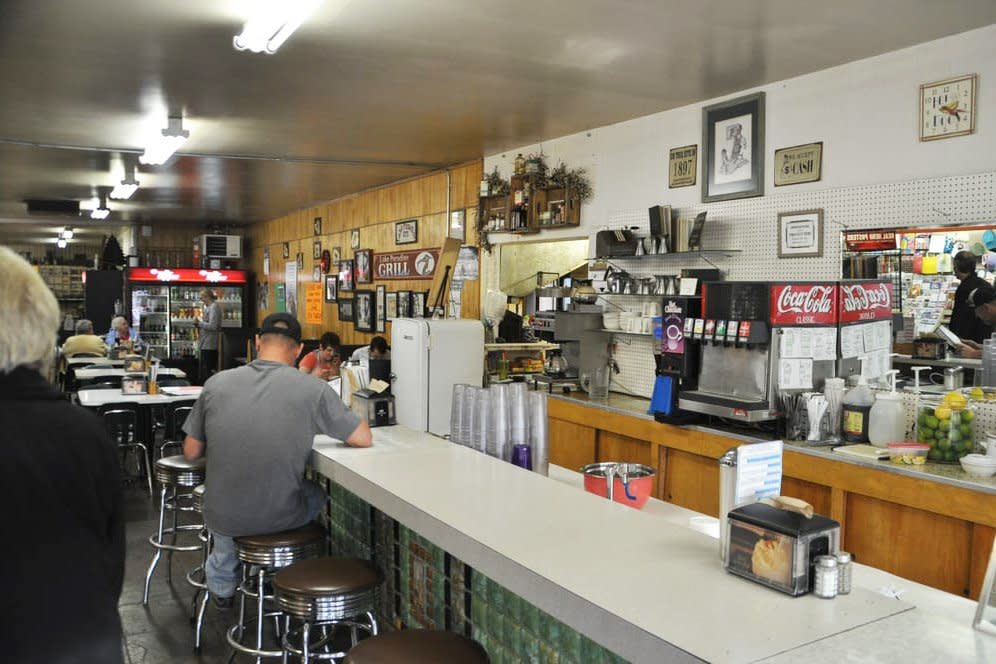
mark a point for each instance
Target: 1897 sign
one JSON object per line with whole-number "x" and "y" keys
{"x": 683, "y": 166}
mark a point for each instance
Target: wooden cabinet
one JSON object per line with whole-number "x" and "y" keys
{"x": 571, "y": 445}
{"x": 690, "y": 480}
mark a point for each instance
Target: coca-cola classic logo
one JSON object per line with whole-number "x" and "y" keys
{"x": 858, "y": 297}
{"x": 805, "y": 300}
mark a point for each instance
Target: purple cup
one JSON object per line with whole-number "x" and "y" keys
{"x": 522, "y": 456}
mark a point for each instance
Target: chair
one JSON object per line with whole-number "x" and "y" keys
{"x": 69, "y": 383}
{"x": 122, "y": 423}
{"x": 85, "y": 355}
{"x": 173, "y": 418}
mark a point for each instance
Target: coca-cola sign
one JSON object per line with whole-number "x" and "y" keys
{"x": 803, "y": 304}
{"x": 865, "y": 301}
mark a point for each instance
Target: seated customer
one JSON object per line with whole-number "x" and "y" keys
{"x": 122, "y": 334}
{"x": 377, "y": 350}
{"x": 256, "y": 425}
{"x": 60, "y": 488}
{"x": 84, "y": 341}
{"x": 323, "y": 362}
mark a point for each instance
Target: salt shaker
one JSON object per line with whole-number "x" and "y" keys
{"x": 825, "y": 583}
{"x": 844, "y": 569}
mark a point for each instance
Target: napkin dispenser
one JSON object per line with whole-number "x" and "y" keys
{"x": 615, "y": 243}
{"x": 135, "y": 364}
{"x": 376, "y": 408}
{"x": 776, "y": 547}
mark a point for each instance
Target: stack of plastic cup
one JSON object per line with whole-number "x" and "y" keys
{"x": 518, "y": 421}
{"x": 457, "y": 411}
{"x": 485, "y": 436}
{"x": 473, "y": 417}
{"x": 538, "y": 439}
{"x": 500, "y": 445}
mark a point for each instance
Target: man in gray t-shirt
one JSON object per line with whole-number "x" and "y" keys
{"x": 255, "y": 424}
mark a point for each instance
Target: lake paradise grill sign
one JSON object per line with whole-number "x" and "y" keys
{"x": 414, "y": 264}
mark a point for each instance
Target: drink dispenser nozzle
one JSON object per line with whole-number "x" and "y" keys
{"x": 916, "y": 377}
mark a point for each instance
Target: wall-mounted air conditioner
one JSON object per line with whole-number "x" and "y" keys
{"x": 221, "y": 246}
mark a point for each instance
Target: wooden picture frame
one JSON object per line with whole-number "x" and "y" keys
{"x": 317, "y": 225}
{"x": 404, "y": 304}
{"x": 336, "y": 256}
{"x": 346, "y": 310}
{"x": 418, "y": 304}
{"x": 300, "y": 261}
{"x": 331, "y": 287}
{"x": 798, "y": 164}
{"x": 346, "y": 275}
{"x": 457, "y": 228}
{"x": 381, "y": 309}
{"x": 406, "y": 232}
{"x": 316, "y": 273}
{"x": 354, "y": 239}
{"x": 364, "y": 312}
{"x": 316, "y": 250}
{"x": 391, "y": 306}
{"x": 286, "y": 250}
{"x": 363, "y": 266}
{"x": 800, "y": 234}
{"x": 733, "y": 142}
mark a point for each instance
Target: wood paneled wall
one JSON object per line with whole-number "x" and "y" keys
{"x": 374, "y": 213}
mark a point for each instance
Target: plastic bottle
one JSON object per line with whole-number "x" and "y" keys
{"x": 887, "y": 418}
{"x": 856, "y": 407}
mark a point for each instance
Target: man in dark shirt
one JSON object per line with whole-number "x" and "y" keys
{"x": 964, "y": 322}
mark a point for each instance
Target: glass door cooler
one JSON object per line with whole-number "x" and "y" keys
{"x": 150, "y": 316}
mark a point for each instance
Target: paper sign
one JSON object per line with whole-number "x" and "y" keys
{"x": 688, "y": 286}
{"x": 795, "y": 374}
{"x": 313, "y": 296}
{"x": 852, "y": 341}
{"x": 290, "y": 282}
{"x": 870, "y": 338}
{"x": 759, "y": 472}
{"x": 810, "y": 343}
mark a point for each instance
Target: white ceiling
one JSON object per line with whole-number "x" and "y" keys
{"x": 369, "y": 92}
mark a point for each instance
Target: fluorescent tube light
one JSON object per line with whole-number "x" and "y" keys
{"x": 60, "y": 243}
{"x": 101, "y": 211}
{"x": 271, "y": 23}
{"x": 160, "y": 147}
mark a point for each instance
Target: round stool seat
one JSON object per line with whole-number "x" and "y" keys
{"x": 417, "y": 646}
{"x": 178, "y": 471}
{"x": 283, "y": 548}
{"x": 328, "y": 588}
{"x": 198, "y": 498}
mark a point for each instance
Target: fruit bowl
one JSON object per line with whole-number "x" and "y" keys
{"x": 947, "y": 427}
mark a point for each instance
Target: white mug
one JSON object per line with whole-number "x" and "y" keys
{"x": 648, "y": 325}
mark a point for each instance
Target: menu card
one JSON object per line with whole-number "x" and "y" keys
{"x": 816, "y": 343}
{"x": 795, "y": 374}
{"x": 759, "y": 472}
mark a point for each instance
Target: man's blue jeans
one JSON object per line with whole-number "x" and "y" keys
{"x": 222, "y": 567}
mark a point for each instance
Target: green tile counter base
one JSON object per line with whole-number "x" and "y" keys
{"x": 428, "y": 588}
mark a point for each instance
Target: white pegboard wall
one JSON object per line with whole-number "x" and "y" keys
{"x": 635, "y": 355}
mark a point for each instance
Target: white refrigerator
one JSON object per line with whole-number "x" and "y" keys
{"x": 429, "y": 357}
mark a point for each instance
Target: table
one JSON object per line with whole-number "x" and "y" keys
{"x": 90, "y": 373}
{"x": 103, "y": 397}
{"x": 102, "y": 361}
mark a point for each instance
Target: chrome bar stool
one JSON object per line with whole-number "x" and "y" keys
{"x": 267, "y": 554}
{"x": 121, "y": 421}
{"x": 418, "y": 646}
{"x": 327, "y": 592}
{"x": 178, "y": 477}
{"x": 197, "y": 576}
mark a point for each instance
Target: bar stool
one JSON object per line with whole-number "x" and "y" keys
{"x": 326, "y": 593}
{"x": 268, "y": 553}
{"x": 174, "y": 473}
{"x": 418, "y": 646}
{"x": 197, "y": 576}
{"x": 121, "y": 421}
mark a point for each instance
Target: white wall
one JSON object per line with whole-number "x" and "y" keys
{"x": 864, "y": 112}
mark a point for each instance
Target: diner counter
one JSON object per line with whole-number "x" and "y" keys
{"x": 647, "y": 584}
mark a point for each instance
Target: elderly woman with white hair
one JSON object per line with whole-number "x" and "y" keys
{"x": 122, "y": 334}
{"x": 60, "y": 488}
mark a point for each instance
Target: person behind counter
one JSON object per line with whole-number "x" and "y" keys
{"x": 60, "y": 488}
{"x": 324, "y": 362}
{"x": 210, "y": 327}
{"x": 964, "y": 322}
{"x": 377, "y": 349}
{"x": 84, "y": 341}
{"x": 122, "y": 334}
{"x": 983, "y": 301}
{"x": 257, "y": 425}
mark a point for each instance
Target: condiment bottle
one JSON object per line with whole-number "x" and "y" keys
{"x": 856, "y": 407}
{"x": 825, "y": 580}
{"x": 844, "y": 569}
{"x": 887, "y": 418}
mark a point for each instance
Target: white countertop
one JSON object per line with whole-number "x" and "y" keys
{"x": 100, "y": 372}
{"x": 642, "y": 583}
{"x": 96, "y": 398}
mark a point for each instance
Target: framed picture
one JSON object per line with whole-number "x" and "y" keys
{"x": 406, "y": 232}
{"x": 317, "y": 225}
{"x": 558, "y": 212}
{"x": 316, "y": 249}
{"x": 331, "y": 287}
{"x": 798, "y": 164}
{"x": 947, "y": 108}
{"x": 346, "y": 310}
{"x": 683, "y": 166}
{"x": 418, "y": 304}
{"x": 458, "y": 223}
{"x": 286, "y": 249}
{"x": 300, "y": 261}
{"x": 404, "y": 304}
{"x": 354, "y": 239}
{"x": 364, "y": 315}
{"x": 800, "y": 234}
{"x": 364, "y": 266}
{"x": 346, "y": 275}
{"x": 316, "y": 274}
{"x": 381, "y": 307}
{"x": 391, "y": 306}
{"x": 336, "y": 256}
{"x": 733, "y": 141}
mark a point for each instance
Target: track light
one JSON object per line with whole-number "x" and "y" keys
{"x": 271, "y": 23}
{"x": 60, "y": 243}
{"x": 66, "y": 234}
{"x": 160, "y": 147}
{"x": 101, "y": 211}
{"x": 128, "y": 186}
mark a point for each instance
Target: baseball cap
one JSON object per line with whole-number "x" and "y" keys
{"x": 984, "y": 294}
{"x": 282, "y": 323}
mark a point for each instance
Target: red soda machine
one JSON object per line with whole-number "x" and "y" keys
{"x": 676, "y": 357}
{"x": 757, "y": 339}
{"x": 865, "y": 327}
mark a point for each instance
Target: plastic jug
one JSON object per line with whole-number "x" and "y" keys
{"x": 887, "y": 418}
{"x": 855, "y": 411}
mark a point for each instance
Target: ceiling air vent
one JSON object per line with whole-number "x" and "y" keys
{"x": 221, "y": 246}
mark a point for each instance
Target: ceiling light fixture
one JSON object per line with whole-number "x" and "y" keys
{"x": 160, "y": 147}
{"x": 67, "y": 233}
{"x": 124, "y": 189}
{"x": 60, "y": 243}
{"x": 271, "y": 23}
{"x": 101, "y": 211}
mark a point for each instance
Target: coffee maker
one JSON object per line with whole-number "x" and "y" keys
{"x": 677, "y": 358}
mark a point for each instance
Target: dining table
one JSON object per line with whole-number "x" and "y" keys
{"x": 89, "y": 373}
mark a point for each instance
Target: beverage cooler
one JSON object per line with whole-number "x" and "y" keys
{"x": 163, "y": 303}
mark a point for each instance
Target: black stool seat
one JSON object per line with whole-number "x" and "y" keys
{"x": 327, "y": 589}
{"x": 197, "y": 498}
{"x": 417, "y": 646}
{"x": 283, "y": 548}
{"x": 178, "y": 471}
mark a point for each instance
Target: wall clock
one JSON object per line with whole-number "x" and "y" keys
{"x": 947, "y": 108}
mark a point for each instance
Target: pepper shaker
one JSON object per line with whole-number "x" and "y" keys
{"x": 844, "y": 569}
{"x": 825, "y": 584}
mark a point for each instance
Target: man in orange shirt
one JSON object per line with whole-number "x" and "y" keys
{"x": 325, "y": 361}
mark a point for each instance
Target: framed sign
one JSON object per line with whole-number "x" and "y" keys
{"x": 336, "y": 256}
{"x": 300, "y": 261}
{"x": 317, "y": 225}
{"x": 391, "y": 306}
{"x": 947, "y": 108}
{"x": 800, "y": 234}
{"x": 458, "y": 222}
{"x": 363, "y": 311}
{"x": 316, "y": 274}
{"x": 381, "y": 307}
{"x": 406, "y": 232}
{"x": 733, "y": 141}
{"x": 404, "y": 304}
{"x": 683, "y": 166}
{"x": 364, "y": 266}
{"x": 411, "y": 264}
{"x": 346, "y": 275}
{"x": 346, "y": 310}
{"x": 418, "y": 304}
{"x": 331, "y": 287}
{"x": 798, "y": 164}
{"x": 354, "y": 239}
{"x": 316, "y": 249}
{"x": 286, "y": 250}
